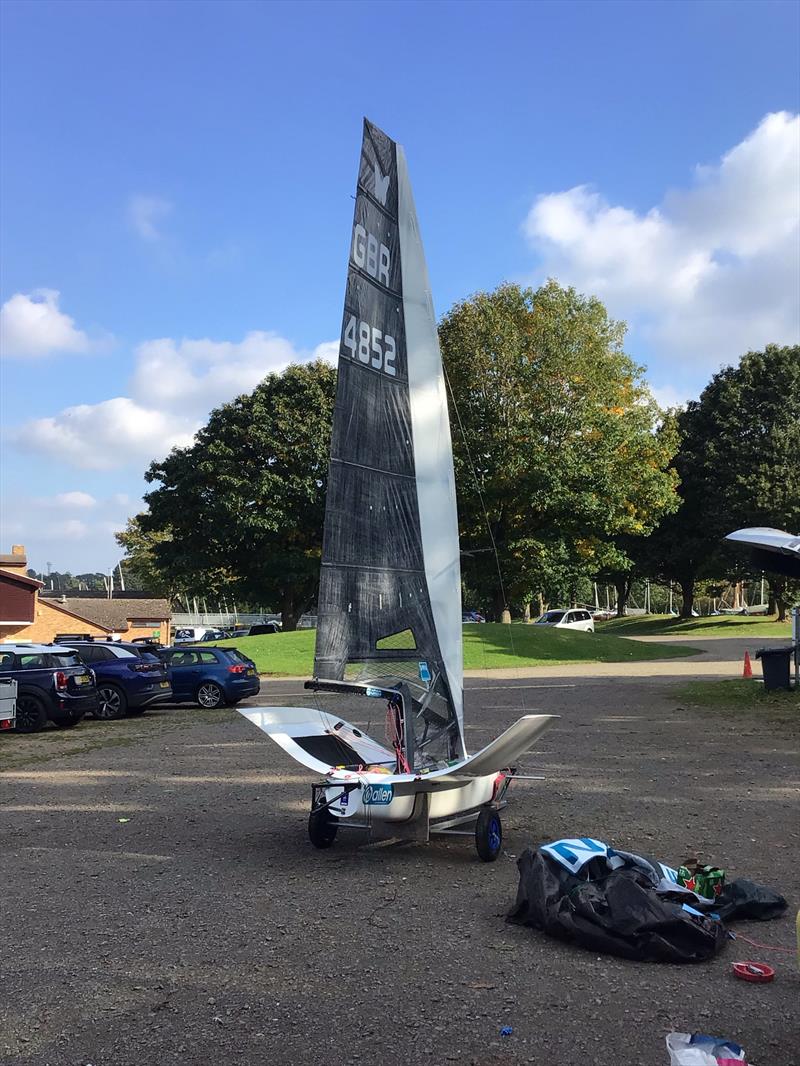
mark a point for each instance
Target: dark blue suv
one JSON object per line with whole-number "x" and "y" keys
{"x": 210, "y": 677}
{"x": 129, "y": 679}
{"x": 52, "y": 683}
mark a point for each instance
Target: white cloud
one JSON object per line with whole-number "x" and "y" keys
{"x": 32, "y": 325}
{"x": 70, "y": 529}
{"x": 707, "y": 274}
{"x": 145, "y": 213}
{"x": 74, "y": 500}
{"x": 328, "y": 351}
{"x": 668, "y": 396}
{"x": 196, "y": 375}
{"x": 80, "y": 541}
{"x": 105, "y": 435}
{"x": 173, "y": 387}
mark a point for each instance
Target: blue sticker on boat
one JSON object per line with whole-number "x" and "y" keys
{"x": 424, "y": 672}
{"x": 373, "y": 691}
{"x": 377, "y": 794}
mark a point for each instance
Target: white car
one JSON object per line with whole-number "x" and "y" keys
{"x": 573, "y": 618}
{"x": 190, "y": 634}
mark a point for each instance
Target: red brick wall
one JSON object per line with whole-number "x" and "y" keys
{"x": 16, "y": 600}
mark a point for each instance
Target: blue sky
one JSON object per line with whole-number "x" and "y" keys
{"x": 176, "y": 202}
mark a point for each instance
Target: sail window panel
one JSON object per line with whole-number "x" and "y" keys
{"x": 372, "y": 424}
{"x": 378, "y": 149}
{"x": 404, "y": 641}
{"x": 371, "y": 520}
{"x": 357, "y": 608}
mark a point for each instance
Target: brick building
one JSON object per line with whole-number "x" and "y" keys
{"x": 28, "y": 614}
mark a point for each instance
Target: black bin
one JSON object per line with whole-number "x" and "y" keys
{"x": 775, "y": 666}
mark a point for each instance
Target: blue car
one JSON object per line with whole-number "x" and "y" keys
{"x": 210, "y": 677}
{"x": 128, "y": 680}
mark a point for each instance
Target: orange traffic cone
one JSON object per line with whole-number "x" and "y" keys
{"x": 748, "y": 669}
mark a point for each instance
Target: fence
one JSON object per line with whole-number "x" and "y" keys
{"x": 227, "y": 619}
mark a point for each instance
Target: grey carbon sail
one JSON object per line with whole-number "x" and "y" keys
{"x": 390, "y": 586}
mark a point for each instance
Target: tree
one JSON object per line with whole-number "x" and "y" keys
{"x": 738, "y": 466}
{"x": 141, "y": 564}
{"x": 556, "y": 444}
{"x": 752, "y": 456}
{"x": 241, "y": 509}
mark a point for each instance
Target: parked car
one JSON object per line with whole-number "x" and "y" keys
{"x": 128, "y": 681}
{"x": 472, "y": 616}
{"x": 263, "y": 627}
{"x": 52, "y": 684}
{"x": 215, "y": 634}
{"x": 188, "y": 634}
{"x": 148, "y": 643}
{"x": 210, "y": 677}
{"x": 567, "y": 619}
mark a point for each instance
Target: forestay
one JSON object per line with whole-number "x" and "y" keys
{"x": 390, "y": 586}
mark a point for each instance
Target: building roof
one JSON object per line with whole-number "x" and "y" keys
{"x": 114, "y": 614}
{"x": 20, "y": 579}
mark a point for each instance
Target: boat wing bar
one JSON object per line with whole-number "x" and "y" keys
{"x": 353, "y": 687}
{"x": 507, "y": 748}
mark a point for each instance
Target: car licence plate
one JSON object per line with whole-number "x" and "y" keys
{"x": 165, "y": 684}
{"x": 82, "y": 679}
{"x": 251, "y": 673}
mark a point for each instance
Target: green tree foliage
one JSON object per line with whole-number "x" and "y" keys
{"x": 141, "y": 565}
{"x": 739, "y": 465}
{"x": 241, "y": 510}
{"x": 559, "y": 439}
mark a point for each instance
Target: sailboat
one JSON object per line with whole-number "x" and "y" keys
{"x": 389, "y": 610}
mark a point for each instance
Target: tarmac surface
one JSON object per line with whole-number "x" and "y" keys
{"x": 162, "y": 903}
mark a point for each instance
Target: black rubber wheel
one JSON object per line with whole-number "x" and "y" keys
{"x": 31, "y": 714}
{"x": 210, "y": 696}
{"x": 322, "y": 828}
{"x": 111, "y": 702}
{"x": 488, "y": 835}
{"x": 66, "y": 721}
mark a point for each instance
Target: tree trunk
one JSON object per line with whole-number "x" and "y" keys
{"x": 623, "y": 589}
{"x": 777, "y": 592}
{"x": 772, "y": 605}
{"x": 526, "y": 613}
{"x": 289, "y": 613}
{"x": 687, "y": 592}
{"x": 498, "y": 605}
{"x": 542, "y": 604}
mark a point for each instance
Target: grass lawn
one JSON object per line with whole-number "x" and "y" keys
{"x": 735, "y": 625}
{"x": 740, "y": 695}
{"x": 486, "y": 647}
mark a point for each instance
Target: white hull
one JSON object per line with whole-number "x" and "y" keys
{"x": 372, "y": 793}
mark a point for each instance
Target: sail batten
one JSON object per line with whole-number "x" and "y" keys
{"x": 390, "y": 563}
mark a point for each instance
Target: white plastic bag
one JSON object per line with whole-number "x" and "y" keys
{"x": 697, "y": 1049}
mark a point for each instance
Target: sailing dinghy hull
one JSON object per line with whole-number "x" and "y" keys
{"x": 334, "y": 748}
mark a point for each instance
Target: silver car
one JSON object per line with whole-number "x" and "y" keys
{"x": 568, "y": 618}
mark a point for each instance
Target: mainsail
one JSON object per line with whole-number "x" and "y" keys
{"x": 390, "y": 586}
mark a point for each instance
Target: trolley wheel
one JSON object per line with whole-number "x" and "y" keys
{"x": 488, "y": 835}
{"x": 322, "y": 828}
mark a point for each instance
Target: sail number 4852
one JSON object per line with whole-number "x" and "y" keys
{"x": 369, "y": 345}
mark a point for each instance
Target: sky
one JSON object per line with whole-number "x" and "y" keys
{"x": 176, "y": 185}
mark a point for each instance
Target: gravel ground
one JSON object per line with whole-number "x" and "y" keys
{"x": 162, "y": 904}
